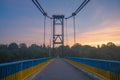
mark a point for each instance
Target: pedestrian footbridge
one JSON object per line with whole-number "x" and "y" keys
{"x": 67, "y": 68}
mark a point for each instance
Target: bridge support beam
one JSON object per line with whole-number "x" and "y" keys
{"x": 58, "y": 38}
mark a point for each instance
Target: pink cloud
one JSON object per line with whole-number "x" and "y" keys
{"x": 108, "y": 31}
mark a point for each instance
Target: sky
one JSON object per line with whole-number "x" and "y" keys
{"x": 97, "y": 23}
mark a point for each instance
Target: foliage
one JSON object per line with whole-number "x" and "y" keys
{"x": 15, "y": 52}
{"x": 109, "y": 51}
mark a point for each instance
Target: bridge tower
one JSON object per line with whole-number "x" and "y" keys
{"x": 58, "y": 38}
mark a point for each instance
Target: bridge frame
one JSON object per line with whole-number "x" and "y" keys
{"x": 58, "y": 20}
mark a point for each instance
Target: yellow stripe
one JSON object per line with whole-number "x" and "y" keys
{"x": 22, "y": 75}
{"x": 107, "y": 75}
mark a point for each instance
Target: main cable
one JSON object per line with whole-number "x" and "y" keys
{"x": 44, "y": 13}
{"x": 81, "y": 6}
{"x": 38, "y": 6}
{"x": 78, "y": 9}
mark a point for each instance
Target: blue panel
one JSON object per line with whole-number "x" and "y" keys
{"x": 108, "y": 65}
{"x": 10, "y": 68}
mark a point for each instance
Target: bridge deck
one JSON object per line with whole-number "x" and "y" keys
{"x": 60, "y": 70}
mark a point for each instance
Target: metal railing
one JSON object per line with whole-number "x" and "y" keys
{"x": 106, "y": 69}
{"x": 21, "y": 69}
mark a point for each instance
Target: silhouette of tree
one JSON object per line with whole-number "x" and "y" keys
{"x": 3, "y": 46}
{"x": 23, "y": 46}
{"x": 111, "y": 44}
{"x": 13, "y": 53}
{"x": 13, "y": 46}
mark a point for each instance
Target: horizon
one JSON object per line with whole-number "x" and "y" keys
{"x": 60, "y": 45}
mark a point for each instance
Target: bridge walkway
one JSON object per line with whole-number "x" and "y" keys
{"x": 59, "y": 70}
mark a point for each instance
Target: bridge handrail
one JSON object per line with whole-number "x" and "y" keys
{"x": 10, "y": 63}
{"x": 10, "y": 68}
{"x": 108, "y": 65}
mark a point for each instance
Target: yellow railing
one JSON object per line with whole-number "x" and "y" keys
{"x": 22, "y": 69}
{"x": 98, "y": 68}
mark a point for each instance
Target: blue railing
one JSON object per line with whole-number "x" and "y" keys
{"x": 7, "y": 69}
{"x": 111, "y": 69}
{"x": 109, "y": 65}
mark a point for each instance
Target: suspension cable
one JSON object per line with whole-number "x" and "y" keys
{"x": 74, "y": 29}
{"x": 50, "y": 40}
{"x": 66, "y": 34}
{"x": 38, "y": 6}
{"x": 44, "y": 29}
{"x": 81, "y": 6}
{"x": 51, "y": 31}
{"x": 78, "y": 9}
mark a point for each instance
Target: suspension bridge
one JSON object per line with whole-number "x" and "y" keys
{"x": 56, "y": 68}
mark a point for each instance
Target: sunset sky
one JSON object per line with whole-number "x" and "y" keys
{"x": 97, "y": 23}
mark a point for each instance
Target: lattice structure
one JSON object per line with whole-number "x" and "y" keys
{"x": 58, "y": 38}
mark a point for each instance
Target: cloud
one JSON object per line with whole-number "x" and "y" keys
{"x": 108, "y": 31}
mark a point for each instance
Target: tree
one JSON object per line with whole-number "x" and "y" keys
{"x": 111, "y": 44}
{"x": 23, "y": 46}
{"x": 34, "y": 46}
{"x": 14, "y": 53}
{"x": 3, "y": 46}
{"x": 13, "y": 46}
{"x": 103, "y": 46}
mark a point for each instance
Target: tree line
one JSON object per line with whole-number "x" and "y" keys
{"x": 107, "y": 51}
{"x": 15, "y": 52}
